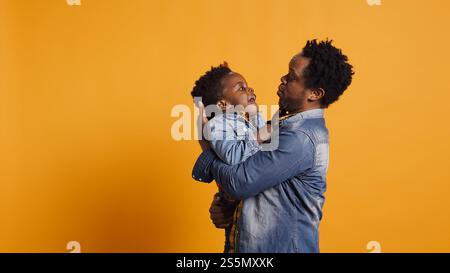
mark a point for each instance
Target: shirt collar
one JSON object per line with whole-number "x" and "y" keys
{"x": 309, "y": 114}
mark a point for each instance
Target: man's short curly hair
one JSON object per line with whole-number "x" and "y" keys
{"x": 328, "y": 69}
{"x": 209, "y": 86}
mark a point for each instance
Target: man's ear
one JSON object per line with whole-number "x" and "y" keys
{"x": 222, "y": 104}
{"x": 316, "y": 94}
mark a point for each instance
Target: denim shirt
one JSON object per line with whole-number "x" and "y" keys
{"x": 282, "y": 190}
{"x": 232, "y": 137}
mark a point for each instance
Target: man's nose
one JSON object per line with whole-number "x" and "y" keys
{"x": 283, "y": 80}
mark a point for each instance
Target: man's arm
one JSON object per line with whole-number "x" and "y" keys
{"x": 261, "y": 171}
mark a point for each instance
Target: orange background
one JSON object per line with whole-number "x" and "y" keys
{"x": 86, "y": 93}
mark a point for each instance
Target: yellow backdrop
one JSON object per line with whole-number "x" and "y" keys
{"x": 86, "y": 93}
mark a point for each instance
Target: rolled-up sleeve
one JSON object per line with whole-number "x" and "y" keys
{"x": 202, "y": 167}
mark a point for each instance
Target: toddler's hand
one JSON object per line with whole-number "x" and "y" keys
{"x": 204, "y": 144}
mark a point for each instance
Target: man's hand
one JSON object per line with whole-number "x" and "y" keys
{"x": 220, "y": 213}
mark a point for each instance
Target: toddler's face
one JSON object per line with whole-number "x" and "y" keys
{"x": 236, "y": 91}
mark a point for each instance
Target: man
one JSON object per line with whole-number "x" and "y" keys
{"x": 282, "y": 191}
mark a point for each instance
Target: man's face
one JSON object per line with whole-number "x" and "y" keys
{"x": 293, "y": 96}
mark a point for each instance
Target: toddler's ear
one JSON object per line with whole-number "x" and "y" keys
{"x": 222, "y": 104}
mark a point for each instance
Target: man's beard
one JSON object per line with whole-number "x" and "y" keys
{"x": 282, "y": 105}
{"x": 282, "y": 108}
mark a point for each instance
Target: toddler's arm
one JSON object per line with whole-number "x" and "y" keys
{"x": 227, "y": 145}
